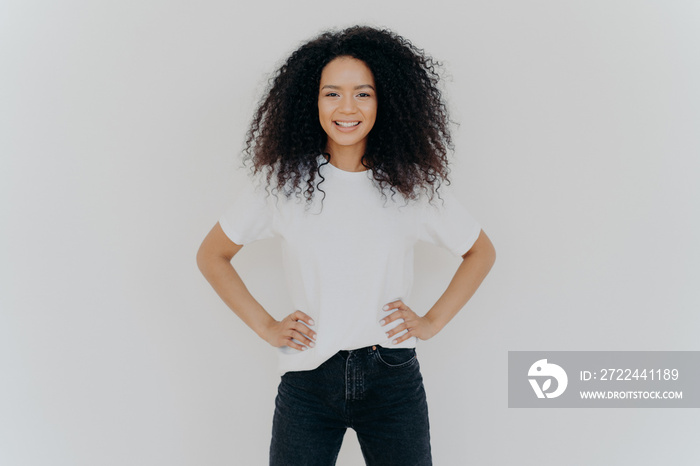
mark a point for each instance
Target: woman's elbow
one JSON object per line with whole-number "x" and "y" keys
{"x": 216, "y": 247}
{"x": 483, "y": 247}
{"x": 202, "y": 259}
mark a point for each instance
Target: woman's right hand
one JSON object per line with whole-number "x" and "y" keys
{"x": 294, "y": 326}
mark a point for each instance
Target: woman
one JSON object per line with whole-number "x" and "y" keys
{"x": 352, "y": 137}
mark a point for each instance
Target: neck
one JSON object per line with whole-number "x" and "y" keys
{"x": 348, "y": 158}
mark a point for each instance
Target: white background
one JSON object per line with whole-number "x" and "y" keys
{"x": 121, "y": 124}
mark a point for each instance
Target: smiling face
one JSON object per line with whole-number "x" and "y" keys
{"x": 347, "y": 104}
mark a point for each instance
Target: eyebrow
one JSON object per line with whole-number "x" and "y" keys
{"x": 361, "y": 86}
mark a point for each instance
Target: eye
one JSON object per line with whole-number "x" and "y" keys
{"x": 332, "y": 94}
{"x": 363, "y": 94}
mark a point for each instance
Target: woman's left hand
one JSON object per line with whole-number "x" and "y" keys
{"x": 417, "y": 326}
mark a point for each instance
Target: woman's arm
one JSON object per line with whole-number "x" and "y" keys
{"x": 214, "y": 261}
{"x": 476, "y": 264}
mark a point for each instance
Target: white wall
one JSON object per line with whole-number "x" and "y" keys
{"x": 120, "y": 127}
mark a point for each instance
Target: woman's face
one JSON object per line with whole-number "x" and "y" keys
{"x": 347, "y": 104}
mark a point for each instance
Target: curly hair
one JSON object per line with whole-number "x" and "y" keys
{"x": 407, "y": 147}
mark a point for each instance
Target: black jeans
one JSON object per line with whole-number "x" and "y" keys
{"x": 376, "y": 391}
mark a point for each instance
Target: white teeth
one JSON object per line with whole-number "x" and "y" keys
{"x": 347, "y": 124}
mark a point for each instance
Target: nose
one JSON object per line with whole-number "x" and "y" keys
{"x": 347, "y": 104}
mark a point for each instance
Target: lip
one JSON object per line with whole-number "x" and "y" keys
{"x": 347, "y": 129}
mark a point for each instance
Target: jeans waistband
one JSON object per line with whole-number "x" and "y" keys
{"x": 364, "y": 350}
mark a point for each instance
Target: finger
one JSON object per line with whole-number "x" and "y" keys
{"x": 398, "y": 329}
{"x": 400, "y": 314}
{"x": 292, "y": 344}
{"x": 393, "y": 305}
{"x": 303, "y": 338}
{"x": 303, "y": 329}
{"x": 402, "y": 338}
{"x": 298, "y": 315}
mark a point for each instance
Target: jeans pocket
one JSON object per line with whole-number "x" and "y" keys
{"x": 396, "y": 357}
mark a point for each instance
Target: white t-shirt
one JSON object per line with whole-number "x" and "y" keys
{"x": 346, "y": 259}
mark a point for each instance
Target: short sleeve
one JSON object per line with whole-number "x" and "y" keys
{"x": 448, "y": 225}
{"x": 250, "y": 217}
